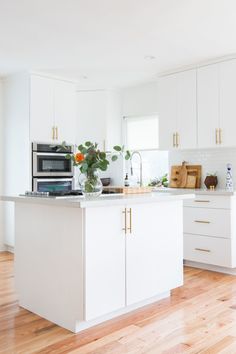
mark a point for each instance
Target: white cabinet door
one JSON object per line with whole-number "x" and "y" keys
{"x": 167, "y": 111}
{"x": 228, "y": 102}
{"x": 154, "y": 250}
{"x": 208, "y": 105}
{"x": 91, "y": 117}
{"x": 41, "y": 109}
{"x": 177, "y": 111}
{"x": 105, "y": 261}
{"x": 65, "y": 111}
{"x": 186, "y": 110}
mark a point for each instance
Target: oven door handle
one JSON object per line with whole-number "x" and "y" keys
{"x": 51, "y": 153}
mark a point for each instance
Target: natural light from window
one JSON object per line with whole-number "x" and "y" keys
{"x": 141, "y": 133}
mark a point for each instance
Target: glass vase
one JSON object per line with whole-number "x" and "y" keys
{"x": 91, "y": 185}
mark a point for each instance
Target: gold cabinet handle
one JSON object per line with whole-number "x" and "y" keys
{"x": 130, "y": 221}
{"x": 220, "y": 136}
{"x": 125, "y": 228}
{"x": 174, "y": 144}
{"x": 56, "y": 133}
{"x": 202, "y": 201}
{"x": 202, "y": 250}
{"x": 53, "y": 133}
{"x": 202, "y": 221}
{"x": 177, "y": 139}
{"x": 217, "y": 134}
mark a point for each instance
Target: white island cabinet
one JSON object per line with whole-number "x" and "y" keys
{"x": 80, "y": 262}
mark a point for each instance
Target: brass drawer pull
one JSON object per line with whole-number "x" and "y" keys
{"x": 202, "y": 250}
{"x": 202, "y": 201}
{"x": 125, "y": 228}
{"x": 202, "y": 221}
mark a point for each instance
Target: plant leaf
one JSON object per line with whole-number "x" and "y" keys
{"x": 117, "y": 148}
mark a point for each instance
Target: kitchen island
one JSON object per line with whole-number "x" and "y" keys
{"x": 80, "y": 262}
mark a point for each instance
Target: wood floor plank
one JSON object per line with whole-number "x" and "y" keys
{"x": 199, "y": 317}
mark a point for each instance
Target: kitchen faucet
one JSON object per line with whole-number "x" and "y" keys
{"x": 140, "y": 166}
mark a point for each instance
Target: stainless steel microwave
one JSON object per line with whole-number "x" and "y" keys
{"x": 50, "y": 161}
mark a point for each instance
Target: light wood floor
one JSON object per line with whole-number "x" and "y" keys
{"x": 200, "y": 317}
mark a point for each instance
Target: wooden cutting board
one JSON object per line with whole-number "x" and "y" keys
{"x": 178, "y": 179}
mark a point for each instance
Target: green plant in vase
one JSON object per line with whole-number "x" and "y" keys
{"x": 90, "y": 160}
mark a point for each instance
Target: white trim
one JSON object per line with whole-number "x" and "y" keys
{"x": 213, "y": 268}
{"x": 197, "y": 65}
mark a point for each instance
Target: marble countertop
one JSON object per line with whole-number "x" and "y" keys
{"x": 104, "y": 200}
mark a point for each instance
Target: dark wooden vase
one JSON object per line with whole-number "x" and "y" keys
{"x": 211, "y": 181}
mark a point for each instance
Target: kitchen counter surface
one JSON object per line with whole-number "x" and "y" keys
{"x": 81, "y": 202}
{"x": 202, "y": 191}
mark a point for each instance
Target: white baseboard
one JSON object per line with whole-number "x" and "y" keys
{"x": 231, "y": 271}
{"x": 9, "y": 249}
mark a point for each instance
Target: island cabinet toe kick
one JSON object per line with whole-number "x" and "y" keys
{"x": 81, "y": 266}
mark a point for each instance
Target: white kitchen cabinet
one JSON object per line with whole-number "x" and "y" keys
{"x": 105, "y": 261}
{"x": 65, "y": 111}
{"x": 167, "y": 111}
{"x": 177, "y": 110}
{"x": 124, "y": 255}
{"x": 52, "y": 110}
{"x": 210, "y": 232}
{"x": 41, "y": 109}
{"x": 150, "y": 247}
{"x": 91, "y": 117}
{"x": 208, "y": 106}
{"x": 227, "y": 102}
{"x": 99, "y": 118}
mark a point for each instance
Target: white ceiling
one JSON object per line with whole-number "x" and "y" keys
{"x": 107, "y": 40}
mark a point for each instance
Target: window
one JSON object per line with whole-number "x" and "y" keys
{"x": 141, "y": 133}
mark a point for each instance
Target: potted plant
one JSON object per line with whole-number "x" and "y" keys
{"x": 211, "y": 181}
{"x": 90, "y": 160}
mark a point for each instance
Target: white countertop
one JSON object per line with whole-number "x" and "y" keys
{"x": 201, "y": 191}
{"x": 104, "y": 200}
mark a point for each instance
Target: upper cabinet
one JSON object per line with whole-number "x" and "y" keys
{"x": 227, "y": 103}
{"x": 99, "y": 118}
{"x": 208, "y": 106}
{"x": 217, "y": 104}
{"x": 177, "y": 111}
{"x": 52, "y": 110}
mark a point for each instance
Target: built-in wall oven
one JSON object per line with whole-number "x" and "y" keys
{"x": 51, "y": 170}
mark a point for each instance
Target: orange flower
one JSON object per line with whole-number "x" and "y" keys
{"x": 79, "y": 157}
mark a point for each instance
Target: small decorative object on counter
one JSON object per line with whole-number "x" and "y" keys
{"x": 229, "y": 177}
{"x": 126, "y": 182}
{"x": 90, "y": 159}
{"x": 211, "y": 181}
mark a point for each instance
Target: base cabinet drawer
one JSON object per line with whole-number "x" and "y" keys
{"x": 209, "y": 250}
{"x": 208, "y": 222}
{"x": 207, "y": 201}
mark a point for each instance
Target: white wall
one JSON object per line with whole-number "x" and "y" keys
{"x": 1, "y": 166}
{"x": 212, "y": 160}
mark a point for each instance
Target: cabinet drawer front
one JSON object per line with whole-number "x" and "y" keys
{"x": 207, "y": 201}
{"x": 209, "y": 222}
{"x": 207, "y": 250}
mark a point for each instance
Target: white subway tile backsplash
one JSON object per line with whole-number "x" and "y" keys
{"x": 212, "y": 161}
